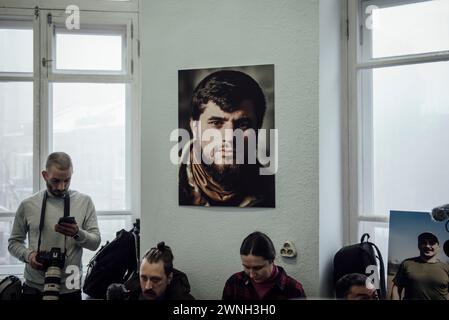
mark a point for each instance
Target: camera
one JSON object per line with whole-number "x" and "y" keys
{"x": 53, "y": 262}
{"x": 117, "y": 291}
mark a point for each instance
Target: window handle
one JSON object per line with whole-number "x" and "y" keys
{"x": 45, "y": 62}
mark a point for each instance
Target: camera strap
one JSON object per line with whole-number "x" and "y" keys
{"x": 42, "y": 221}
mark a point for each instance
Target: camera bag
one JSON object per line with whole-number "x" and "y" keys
{"x": 10, "y": 288}
{"x": 115, "y": 262}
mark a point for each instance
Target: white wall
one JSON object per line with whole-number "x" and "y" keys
{"x": 211, "y": 33}
{"x": 332, "y": 145}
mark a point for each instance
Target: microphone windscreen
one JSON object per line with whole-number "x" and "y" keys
{"x": 117, "y": 291}
{"x": 441, "y": 213}
{"x": 446, "y": 248}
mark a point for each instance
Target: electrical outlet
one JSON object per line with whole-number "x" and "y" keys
{"x": 288, "y": 250}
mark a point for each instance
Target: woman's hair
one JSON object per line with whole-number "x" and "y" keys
{"x": 258, "y": 244}
{"x": 161, "y": 253}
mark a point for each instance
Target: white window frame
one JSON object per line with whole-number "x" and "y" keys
{"x": 42, "y": 77}
{"x": 18, "y": 15}
{"x": 26, "y": 15}
{"x": 360, "y": 124}
{"x": 97, "y": 5}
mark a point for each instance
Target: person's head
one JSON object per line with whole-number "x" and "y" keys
{"x": 257, "y": 254}
{"x": 428, "y": 245}
{"x": 58, "y": 173}
{"x": 226, "y": 100}
{"x": 156, "y": 272}
{"x": 355, "y": 286}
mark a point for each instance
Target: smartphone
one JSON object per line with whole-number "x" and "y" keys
{"x": 67, "y": 220}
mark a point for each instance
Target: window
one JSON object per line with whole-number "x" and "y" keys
{"x": 399, "y": 111}
{"x": 74, "y": 91}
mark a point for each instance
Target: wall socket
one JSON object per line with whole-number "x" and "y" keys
{"x": 288, "y": 250}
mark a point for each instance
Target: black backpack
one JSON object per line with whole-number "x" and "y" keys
{"x": 115, "y": 262}
{"x": 10, "y": 288}
{"x": 356, "y": 258}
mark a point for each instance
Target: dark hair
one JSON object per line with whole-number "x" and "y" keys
{"x": 427, "y": 236}
{"x": 344, "y": 284}
{"x": 60, "y": 160}
{"x": 161, "y": 252}
{"x": 227, "y": 89}
{"x": 258, "y": 244}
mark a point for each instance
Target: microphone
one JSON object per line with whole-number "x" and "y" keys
{"x": 117, "y": 291}
{"x": 441, "y": 213}
{"x": 446, "y": 248}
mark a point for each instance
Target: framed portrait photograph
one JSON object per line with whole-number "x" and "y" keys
{"x": 228, "y": 143}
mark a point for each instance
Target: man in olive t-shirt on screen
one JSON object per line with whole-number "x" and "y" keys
{"x": 424, "y": 277}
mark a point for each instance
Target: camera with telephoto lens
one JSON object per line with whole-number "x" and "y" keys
{"x": 53, "y": 262}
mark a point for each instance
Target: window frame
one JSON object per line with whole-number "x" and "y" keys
{"x": 360, "y": 123}
{"x": 43, "y": 76}
{"x": 34, "y": 77}
{"x": 98, "y": 5}
{"x": 131, "y": 78}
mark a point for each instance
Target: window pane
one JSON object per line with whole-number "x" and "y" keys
{"x": 16, "y": 43}
{"x": 411, "y": 29}
{"x": 88, "y": 52}
{"x": 16, "y": 143}
{"x": 410, "y": 138}
{"x": 89, "y": 124}
{"x": 5, "y": 232}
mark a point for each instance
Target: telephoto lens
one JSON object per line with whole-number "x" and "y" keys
{"x": 52, "y": 282}
{"x": 52, "y": 285}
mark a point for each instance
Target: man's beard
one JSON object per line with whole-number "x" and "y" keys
{"x": 226, "y": 171}
{"x": 227, "y": 175}
{"x": 232, "y": 176}
{"x": 57, "y": 193}
{"x": 149, "y": 295}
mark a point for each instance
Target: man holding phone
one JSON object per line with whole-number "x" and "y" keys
{"x": 54, "y": 218}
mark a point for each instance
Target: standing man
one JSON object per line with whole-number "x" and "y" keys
{"x": 69, "y": 237}
{"x": 424, "y": 277}
{"x": 226, "y": 100}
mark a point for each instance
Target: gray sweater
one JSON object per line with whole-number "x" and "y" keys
{"x": 26, "y": 223}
